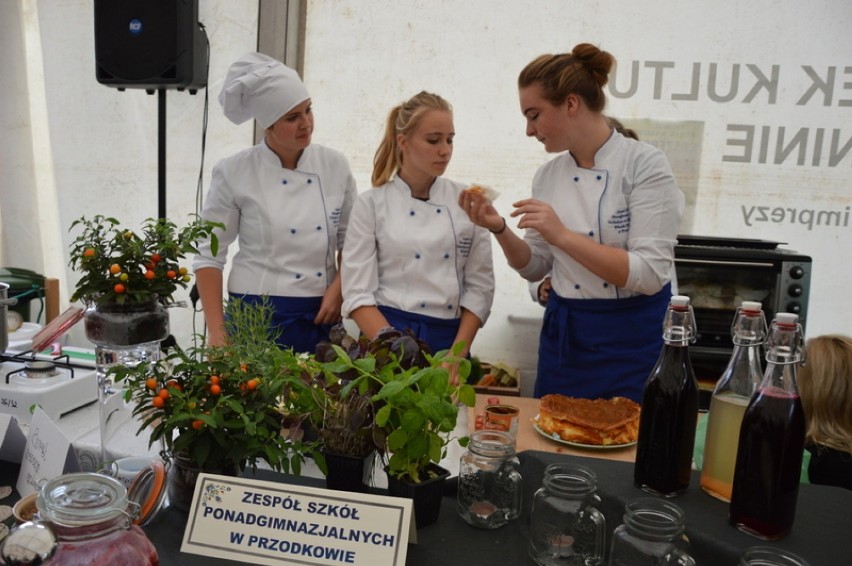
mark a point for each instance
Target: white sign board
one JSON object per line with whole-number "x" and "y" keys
{"x": 48, "y": 454}
{"x": 265, "y": 522}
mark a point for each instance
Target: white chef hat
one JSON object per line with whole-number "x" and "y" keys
{"x": 260, "y": 87}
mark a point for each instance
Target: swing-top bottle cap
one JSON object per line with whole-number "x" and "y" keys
{"x": 680, "y": 301}
{"x": 751, "y": 306}
{"x": 786, "y": 318}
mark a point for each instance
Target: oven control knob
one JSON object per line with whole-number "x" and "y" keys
{"x": 796, "y": 272}
{"x": 794, "y": 290}
{"x": 794, "y": 308}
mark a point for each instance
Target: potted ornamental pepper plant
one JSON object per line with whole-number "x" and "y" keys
{"x": 128, "y": 276}
{"x": 128, "y": 279}
{"x": 222, "y": 409}
{"x": 416, "y": 409}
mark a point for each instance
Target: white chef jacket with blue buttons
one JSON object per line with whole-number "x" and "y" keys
{"x": 599, "y": 340}
{"x": 423, "y": 257}
{"x": 629, "y": 200}
{"x": 290, "y": 223}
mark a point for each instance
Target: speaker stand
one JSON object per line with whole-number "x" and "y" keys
{"x": 161, "y": 152}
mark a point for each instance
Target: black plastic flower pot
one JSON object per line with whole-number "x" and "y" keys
{"x": 427, "y": 494}
{"x": 346, "y": 473}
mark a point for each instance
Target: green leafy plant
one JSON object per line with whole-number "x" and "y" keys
{"x": 344, "y": 415}
{"x": 226, "y": 406}
{"x": 119, "y": 265}
{"x": 415, "y": 403}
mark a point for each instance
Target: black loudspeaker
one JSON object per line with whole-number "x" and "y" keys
{"x": 150, "y": 44}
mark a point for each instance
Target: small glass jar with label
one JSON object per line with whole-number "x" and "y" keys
{"x": 489, "y": 494}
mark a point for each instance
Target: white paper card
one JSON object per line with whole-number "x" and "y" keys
{"x": 48, "y": 454}
{"x": 263, "y": 522}
{"x": 13, "y": 439}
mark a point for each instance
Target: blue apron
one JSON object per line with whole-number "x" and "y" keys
{"x": 438, "y": 333}
{"x": 294, "y": 318}
{"x": 600, "y": 347}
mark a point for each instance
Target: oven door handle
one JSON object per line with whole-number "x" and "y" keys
{"x": 723, "y": 262}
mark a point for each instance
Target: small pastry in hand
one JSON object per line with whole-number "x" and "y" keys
{"x": 483, "y": 191}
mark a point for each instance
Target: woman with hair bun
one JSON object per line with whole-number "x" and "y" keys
{"x": 603, "y": 220}
{"x": 413, "y": 259}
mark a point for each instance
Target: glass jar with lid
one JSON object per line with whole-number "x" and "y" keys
{"x": 92, "y": 520}
{"x": 489, "y": 494}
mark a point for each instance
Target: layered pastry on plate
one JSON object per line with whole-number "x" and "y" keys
{"x": 589, "y": 422}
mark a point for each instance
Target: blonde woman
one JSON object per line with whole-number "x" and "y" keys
{"x": 413, "y": 259}
{"x": 825, "y": 384}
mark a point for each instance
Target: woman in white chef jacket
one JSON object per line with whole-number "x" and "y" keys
{"x": 603, "y": 220}
{"x": 288, "y": 202}
{"x": 413, "y": 259}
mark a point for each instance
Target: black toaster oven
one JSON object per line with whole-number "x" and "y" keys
{"x": 717, "y": 274}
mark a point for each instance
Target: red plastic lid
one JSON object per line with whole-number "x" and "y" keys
{"x": 56, "y": 328}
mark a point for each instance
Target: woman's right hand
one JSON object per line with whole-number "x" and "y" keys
{"x": 480, "y": 210}
{"x": 216, "y": 336}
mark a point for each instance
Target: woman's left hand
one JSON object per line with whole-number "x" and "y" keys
{"x": 453, "y": 369}
{"x": 329, "y": 311}
{"x": 539, "y": 216}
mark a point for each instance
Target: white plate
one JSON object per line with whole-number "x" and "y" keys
{"x": 555, "y": 438}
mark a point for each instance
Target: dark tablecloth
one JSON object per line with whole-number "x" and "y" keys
{"x": 822, "y": 532}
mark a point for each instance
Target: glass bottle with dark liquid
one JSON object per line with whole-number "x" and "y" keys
{"x": 669, "y": 409}
{"x": 731, "y": 396}
{"x": 772, "y": 438}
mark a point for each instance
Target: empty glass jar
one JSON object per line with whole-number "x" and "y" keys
{"x": 770, "y": 556}
{"x": 567, "y": 528}
{"x": 651, "y": 535}
{"x": 489, "y": 494}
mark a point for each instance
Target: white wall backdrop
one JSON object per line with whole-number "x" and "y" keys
{"x": 72, "y": 147}
{"x": 752, "y": 102}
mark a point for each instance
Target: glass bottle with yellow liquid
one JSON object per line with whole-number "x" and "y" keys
{"x": 730, "y": 399}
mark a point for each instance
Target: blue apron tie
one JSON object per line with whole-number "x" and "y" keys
{"x": 600, "y": 347}
{"x": 294, "y": 318}
{"x": 438, "y": 333}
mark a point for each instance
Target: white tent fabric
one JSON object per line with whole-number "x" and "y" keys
{"x": 72, "y": 147}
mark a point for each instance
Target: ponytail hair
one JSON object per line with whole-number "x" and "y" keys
{"x": 583, "y": 72}
{"x": 402, "y": 119}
